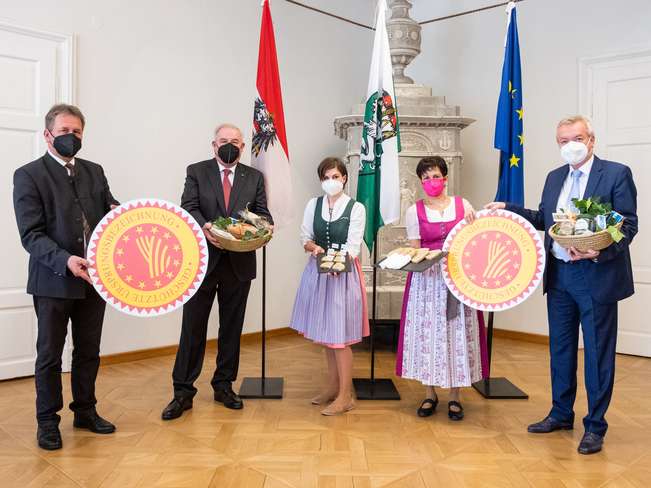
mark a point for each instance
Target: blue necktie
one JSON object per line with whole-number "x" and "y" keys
{"x": 575, "y": 191}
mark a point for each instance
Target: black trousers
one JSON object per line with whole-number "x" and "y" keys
{"x": 231, "y": 296}
{"x": 86, "y": 316}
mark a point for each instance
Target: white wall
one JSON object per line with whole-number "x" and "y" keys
{"x": 156, "y": 76}
{"x": 462, "y": 59}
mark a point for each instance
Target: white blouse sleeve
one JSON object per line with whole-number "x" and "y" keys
{"x": 411, "y": 219}
{"x": 466, "y": 206}
{"x": 356, "y": 229}
{"x": 307, "y": 226}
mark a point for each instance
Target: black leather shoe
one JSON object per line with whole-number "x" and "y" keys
{"x": 455, "y": 414}
{"x": 93, "y": 422}
{"x": 228, "y": 397}
{"x": 49, "y": 437}
{"x": 549, "y": 424}
{"x": 591, "y": 443}
{"x": 175, "y": 408}
{"x": 424, "y": 411}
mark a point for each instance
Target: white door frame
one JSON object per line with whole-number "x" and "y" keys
{"x": 586, "y": 73}
{"x": 65, "y": 92}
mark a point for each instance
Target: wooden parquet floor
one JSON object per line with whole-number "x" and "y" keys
{"x": 287, "y": 443}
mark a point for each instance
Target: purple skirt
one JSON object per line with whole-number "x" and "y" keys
{"x": 329, "y": 309}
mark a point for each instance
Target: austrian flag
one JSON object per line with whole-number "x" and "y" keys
{"x": 269, "y": 151}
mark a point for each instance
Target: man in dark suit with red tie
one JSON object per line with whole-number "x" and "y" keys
{"x": 58, "y": 201}
{"x": 217, "y": 187}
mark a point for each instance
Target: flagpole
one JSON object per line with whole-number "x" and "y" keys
{"x": 372, "y": 388}
{"x": 268, "y": 96}
{"x": 491, "y": 387}
{"x": 264, "y": 314}
{"x": 374, "y": 312}
{"x": 263, "y": 387}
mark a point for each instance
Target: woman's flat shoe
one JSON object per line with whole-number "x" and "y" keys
{"x": 323, "y": 398}
{"x": 331, "y": 410}
{"x": 453, "y": 414}
{"x": 424, "y": 411}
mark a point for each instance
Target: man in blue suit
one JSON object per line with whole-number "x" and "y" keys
{"x": 583, "y": 287}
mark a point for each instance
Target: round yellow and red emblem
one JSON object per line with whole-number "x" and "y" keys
{"x": 495, "y": 263}
{"x": 147, "y": 257}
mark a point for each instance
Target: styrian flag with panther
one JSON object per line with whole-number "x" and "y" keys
{"x": 378, "y": 184}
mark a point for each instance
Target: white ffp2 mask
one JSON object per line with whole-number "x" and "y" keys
{"x": 332, "y": 187}
{"x": 573, "y": 152}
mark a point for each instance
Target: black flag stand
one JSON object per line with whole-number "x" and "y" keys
{"x": 263, "y": 387}
{"x": 497, "y": 388}
{"x": 374, "y": 388}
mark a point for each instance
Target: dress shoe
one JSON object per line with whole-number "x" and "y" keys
{"x": 49, "y": 437}
{"x": 591, "y": 443}
{"x": 93, "y": 422}
{"x": 338, "y": 408}
{"x": 228, "y": 397}
{"x": 549, "y": 424}
{"x": 427, "y": 407}
{"x": 457, "y": 414}
{"x": 323, "y": 398}
{"x": 175, "y": 408}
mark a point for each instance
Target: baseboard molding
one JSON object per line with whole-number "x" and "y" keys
{"x": 517, "y": 335}
{"x": 125, "y": 357}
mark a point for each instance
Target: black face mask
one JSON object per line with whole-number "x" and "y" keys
{"x": 67, "y": 145}
{"x": 228, "y": 153}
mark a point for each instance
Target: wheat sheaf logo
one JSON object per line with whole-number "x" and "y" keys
{"x": 154, "y": 252}
{"x": 494, "y": 263}
{"x": 149, "y": 257}
{"x": 498, "y": 260}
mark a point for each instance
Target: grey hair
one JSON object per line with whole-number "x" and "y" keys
{"x": 63, "y": 108}
{"x": 578, "y": 118}
{"x": 228, "y": 126}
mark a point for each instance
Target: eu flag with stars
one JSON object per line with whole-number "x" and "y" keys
{"x": 509, "y": 138}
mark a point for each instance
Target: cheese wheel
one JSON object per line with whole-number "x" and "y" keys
{"x": 432, "y": 254}
{"x": 420, "y": 255}
{"x": 409, "y": 251}
{"x": 397, "y": 250}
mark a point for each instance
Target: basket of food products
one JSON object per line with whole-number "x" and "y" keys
{"x": 595, "y": 227}
{"x": 248, "y": 233}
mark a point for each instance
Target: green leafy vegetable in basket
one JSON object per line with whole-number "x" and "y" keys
{"x": 222, "y": 222}
{"x": 592, "y": 208}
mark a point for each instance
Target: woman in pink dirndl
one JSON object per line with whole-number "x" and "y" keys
{"x": 442, "y": 341}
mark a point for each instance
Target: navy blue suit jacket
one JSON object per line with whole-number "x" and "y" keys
{"x": 610, "y": 278}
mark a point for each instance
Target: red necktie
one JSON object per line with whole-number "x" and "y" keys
{"x": 226, "y": 184}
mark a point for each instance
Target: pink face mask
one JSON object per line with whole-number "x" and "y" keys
{"x": 434, "y": 186}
